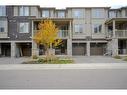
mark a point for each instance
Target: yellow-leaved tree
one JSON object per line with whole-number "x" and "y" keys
{"x": 47, "y": 35}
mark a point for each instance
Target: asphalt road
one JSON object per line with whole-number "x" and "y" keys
{"x": 64, "y": 79}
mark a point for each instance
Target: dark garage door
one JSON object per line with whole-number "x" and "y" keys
{"x": 97, "y": 49}
{"x": 78, "y": 49}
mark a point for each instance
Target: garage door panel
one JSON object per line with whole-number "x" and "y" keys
{"x": 79, "y": 49}
{"x": 96, "y": 51}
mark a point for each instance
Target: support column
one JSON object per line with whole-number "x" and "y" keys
{"x": 69, "y": 41}
{"x": 13, "y": 49}
{"x": 106, "y": 30}
{"x": 35, "y": 50}
{"x": 69, "y": 47}
{"x": 0, "y": 49}
{"x": 88, "y": 48}
{"x": 114, "y": 47}
{"x": 114, "y": 34}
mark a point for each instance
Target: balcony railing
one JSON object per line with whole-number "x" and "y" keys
{"x": 121, "y": 33}
{"x": 109, "y": 34}
{"x": 61, "y": 33}
{"x": 122, "y": 51}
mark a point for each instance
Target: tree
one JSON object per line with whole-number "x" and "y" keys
{"x": 47, "y": 35}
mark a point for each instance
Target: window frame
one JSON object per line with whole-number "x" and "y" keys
{"x": 2, "y": 25}
{"x": 78, "y": 27}
{"x": 62, "y": 15}
{"x": 46, "y": 10}
{"x": 3, "y": 10}
{"x": 97, "y": 27}
{"x": 22, "y": 11}
{"x": 80, "y": 12}
{"x": 96, "y": 13}
{"x": 112, "y": 14}
{"x": 25, "y": 25}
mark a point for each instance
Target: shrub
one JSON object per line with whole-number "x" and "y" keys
{"x": 40, "y": 60}
{"x": 125, "y": 59}
{"x": 34, "y": 57}
{"x": 117, "y": 57}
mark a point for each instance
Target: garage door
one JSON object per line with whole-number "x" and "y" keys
{"x": 78, "y": 49}
{"x": 97, "y": 49}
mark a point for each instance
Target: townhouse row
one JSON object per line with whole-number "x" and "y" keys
{"x": 85, "y": 31}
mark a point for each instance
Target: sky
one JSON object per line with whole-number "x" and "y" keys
{"x": 61, "y": 4}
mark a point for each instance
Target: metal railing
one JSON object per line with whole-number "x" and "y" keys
{"x": 61, "y": 33}
{"x": 109, "y": 34}
{"x": 121, "y": 33}
{"x": 122, "y": 51}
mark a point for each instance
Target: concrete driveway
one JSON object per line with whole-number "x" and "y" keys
{"x": 9, "y": 60}
{"x": 97, "y": 59}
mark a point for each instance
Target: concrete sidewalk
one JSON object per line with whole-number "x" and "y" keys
{"x": 63, "y": 66}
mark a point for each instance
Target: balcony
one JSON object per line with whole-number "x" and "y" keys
{"x": 109, "y": 34}
{"x": 3, "y": 35}
{"x": 121, "y": 33}
{"x": 61, "y": 33}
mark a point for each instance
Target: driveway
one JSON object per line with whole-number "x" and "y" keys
{"x": 9, "y": 60}
{"x": 97, "y": 59}
{"x": 77, "y": 59}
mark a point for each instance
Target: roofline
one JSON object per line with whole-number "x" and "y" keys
{"x": 85, "y": 7}
{"x": 111, "y": 19}
{"x": 24, "y": 5}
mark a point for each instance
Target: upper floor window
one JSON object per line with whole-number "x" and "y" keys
{"x": 77, "y": 13}
{"x": 23, "y": 11}
{"x": 126, "y": 12}
{"x": 97, "y": 28}
{"x": 45, "y": 13}
{"x": 2, "y": 26}
{"x": 2, "y": 10}
{"x": 112, "y": 14}
{"x": 78, "y": 28}
{"x": 24, "y": 27}
{"x": 97, "y": 13}
{"x": 61, "y": 14}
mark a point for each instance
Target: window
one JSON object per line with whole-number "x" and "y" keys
{"x": 77, "y": 13}
{"x": 97, "y": 28}
{"x": 2, "y": 11}
{"x": 61, "y": 14}
{"x": 126, "y": 12}
{"x": 1, "y": 29}
{"x": 24, "y": 27}
{"x": 2, "y": 26}
{"x": 97, "y": 13}
{"x": 45, "y": 13}
{"x": 112, "y": 14}
{"x": 23, "y": 11}
{"x": 78, "y": 28}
